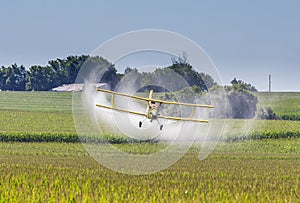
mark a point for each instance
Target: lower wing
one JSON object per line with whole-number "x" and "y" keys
{"x": 183, "y": 119}
{"x": 162, "y": 117}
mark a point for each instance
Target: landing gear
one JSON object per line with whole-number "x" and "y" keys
{"x": 161, "y": 127}
{"x": 141, "y": 123}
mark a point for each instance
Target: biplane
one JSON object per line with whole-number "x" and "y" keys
{"x": 153, "y": 107}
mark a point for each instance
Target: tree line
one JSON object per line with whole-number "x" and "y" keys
{"x": 64, "y": 71}
{"x": 41, "y": 78}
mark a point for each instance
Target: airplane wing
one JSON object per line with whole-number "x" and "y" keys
{"x": 188, "y": 119}
{"x": 122, "y": 110}
{"x": 162, "y": 117}
{"x": 183, "y": 119}
{"x": 155, "y": 100}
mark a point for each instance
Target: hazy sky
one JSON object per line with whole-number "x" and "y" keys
{"x": 246, "y": 39}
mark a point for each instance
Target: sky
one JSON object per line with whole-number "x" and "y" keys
{"x": 245, "y": 39}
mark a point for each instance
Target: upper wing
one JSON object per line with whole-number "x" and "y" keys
{"x": 162, "y": 117}
{"x": 154, "y": 100}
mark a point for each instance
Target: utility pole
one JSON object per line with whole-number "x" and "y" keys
{"x": 269, "y": 82}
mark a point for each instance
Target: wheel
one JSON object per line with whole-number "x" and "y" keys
{"x": 140, "y": 124}
{"x": 161, "y": 127}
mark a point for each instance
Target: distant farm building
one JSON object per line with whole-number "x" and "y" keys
{"x": 74, "y": 87}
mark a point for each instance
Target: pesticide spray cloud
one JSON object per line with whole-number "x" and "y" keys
{"x": 127, "y": 124}
{"x": 92, "y": 121}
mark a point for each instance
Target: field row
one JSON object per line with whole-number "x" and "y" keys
{"x": 286, "y": 105}
{"x": 257, "y": 171}
{"x": 47, "y": 116}
{"x": 283, "y": 103}
{"x": 49, "y": 126}
{"x": 36, "y": 101}
{"x": 243, "y": 129}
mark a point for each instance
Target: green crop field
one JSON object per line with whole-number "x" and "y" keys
{"x": 53, "y": 102}
{"x": 48, "y": 116}
{"x": 253, "y": 171}
{"x": 33, "y": 168}
{"x": 285, "y": 104}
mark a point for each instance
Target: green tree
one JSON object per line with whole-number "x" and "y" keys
{"x": 40, "y": 78}
{"x": 65, "y": 70}
{"x": 181, "y": 66}
{"x": 241, "y": 85}
{"x": 186, "y": 71}
{"x": 98, "y": 70}
{"x": 129, "y": 70}
{"x": 208, "y": 80}
{"x": 13, "y": 78}
{"x": 110, "y": 77}
{"x": 235, "y": 101}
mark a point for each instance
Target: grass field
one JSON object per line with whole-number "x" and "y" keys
{"x": 50, "y": 102}
{"x": 284, "y": 104}
{"x": 49, "y": 114}
{"x": 266, "y": 170}
{"x": 256, "y": 171}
